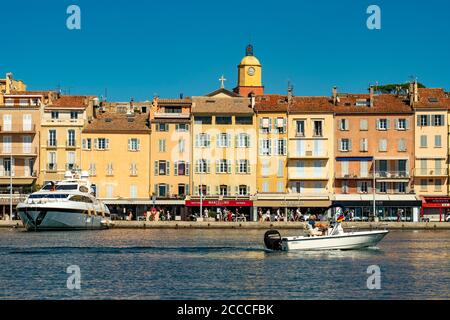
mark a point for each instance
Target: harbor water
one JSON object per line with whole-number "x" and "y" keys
{"x": 216, "y": 264}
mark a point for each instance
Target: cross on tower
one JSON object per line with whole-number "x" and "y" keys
{"x": 222, "y": 80}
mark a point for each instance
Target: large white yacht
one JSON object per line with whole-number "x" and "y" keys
{"x": 64, "y": 205}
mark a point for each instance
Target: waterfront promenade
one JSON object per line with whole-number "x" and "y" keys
{"x": 257, "y": 225}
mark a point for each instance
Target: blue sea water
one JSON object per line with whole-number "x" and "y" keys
{"x": 216, "y": 264}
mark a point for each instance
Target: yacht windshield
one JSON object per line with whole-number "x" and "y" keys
{"x": 62, "y": 187}
{"x": 48, "y": 196}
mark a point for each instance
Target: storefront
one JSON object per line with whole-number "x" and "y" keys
{"x": 121, "y": 208}
{"x": 435, "y": 209}
{"x": 387, "y": 208}
{"x": 214, "y": 206}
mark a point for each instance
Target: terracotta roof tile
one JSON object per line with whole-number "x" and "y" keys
{"x": 70, "y": 102}
{"x": 432, "y": 98}
{"x": 115, "y": 122}
{"x": 221, "y": 105}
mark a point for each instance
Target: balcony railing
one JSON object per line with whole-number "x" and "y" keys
{"x": 353, "y": 175}
{"x": 24, "y": 150}
{"x": 30, "y": 128}
{"x": 392, "y": 175}
{"x": 71, "y": 166}
{"x": 430, "y": 172}
{"x": 309, "y": 154}
{"x": 18, "y": 174}
{"x": 172, "y": 115}
{"x": 308, "y": 176}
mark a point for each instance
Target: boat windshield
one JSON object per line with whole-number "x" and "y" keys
{"x": 62, "y": 187}
{"x": 48, "y": 196}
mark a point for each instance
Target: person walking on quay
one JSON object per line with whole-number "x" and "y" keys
{"x": 260, "y": 215}
{"x": 268, "y": 217}
{"x": 230, "y": 215}
{"x": 168, "y": 215}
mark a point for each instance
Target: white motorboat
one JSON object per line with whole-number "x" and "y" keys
{"x": 333, "y": 238}
{"x": 65, "y": 205}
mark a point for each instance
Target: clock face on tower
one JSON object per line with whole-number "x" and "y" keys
{"x": 251, "y": 71}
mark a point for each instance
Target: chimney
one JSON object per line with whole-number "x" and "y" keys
{"x": 155, "y": 103}
{"x": 9, "y": 79}
{"x": 411, "y": 94}
{"x": 181, "y": 96}
{"x": 252, "y": 100}
{"x": 335, "y": 95}
{"x": 290, "y": 96}
{"x": 416, "y": 92}
{"x": 371, "y": 95}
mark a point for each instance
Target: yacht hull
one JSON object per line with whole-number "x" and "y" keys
{"x": 347, "y": 241}
{"x": 40, "y": 219}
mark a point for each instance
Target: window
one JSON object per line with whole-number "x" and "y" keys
{"x": 27, "y": 140}
{"x": 172, "y": 110}
{"x": 345, "y": 145}
{"x": 401, "y": 124}
{"x": 224, "y": 190}
{"x": 423, "y": 120}
{"x": 162, "y": 145}
{"x": 265, "y": 124}
{"x": 244, "y": 120}
{"x": 402, "y": 145}
{"x": 243, "y": 140}
{"x": 181, "y": 127}
{"x": 281, "y": 147}
{"x": 51, "y": 164}
{"x": 101, "y": 143}
{"x": 265, "y": 168}
{"x": 203, "y": 120}
{"x": 181, "y": 145}
{"x": 344, "y": 187}
{"x": 401, "y": 187}
{"x": 382, "y": 187}
{"x": 55, "y": 114}
{"x": 27, "y": 122}
{"x": 162, "y": 190}
{"x": 202, "y": 166}
{"x": 363, "y": 125}
{"x": 437, "y": 120}
{"x": 73, "y": 115}
{"x": 92, "y": 169}
{"x": 52, "y": 138}
{"x": 344, "y": 168}
{"x": 223, "y": 166}
{"x": 23, "y": 102}
{"x": 162, "y": 127}
{"x": 70, "y": 160}
{"x": 109, "y": 191}
{"x": 280, "y": 125}
{"x": 280, "y": 171}
{"x": 437, "y": 185}
{"x": 343, "y": 124}
{"x": 300, "y": 128}
{"x": 382, "y": 145}
{"x": 202, "y": 140}
{"x": 223, "y": 120}
{"x": 109, "y": 169}
{"x": 87, "y": 144}
{"x": 133, "y": 144}
{"x": 364, "y": 187}
{"x": 423, "y": 141}
{"x": 133, "y": 191}
{"x": 181, "y": 168}
{"x": 438, "y": 141}
{"x": 265, "y": 187}
{"x": 280, "y": 186}
{"x": 182, "y": 191}
{"x": 364, "y": 145}
{"x": 382, "y": 124}
{"x": 133, "y": 169}
{"x": 71, "y": 138}
{"x": 423, "y": 184}
{"x": 264, "y": 148}
{"x": 243, "y": 190}
{"x": 161, "y": 168}
{"x": 318, "y": 128}
{"x": 243, "y": 166}
{"x": 223, "y": 140}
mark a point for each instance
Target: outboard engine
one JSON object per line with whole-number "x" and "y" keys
{"x": 272, "y": 240}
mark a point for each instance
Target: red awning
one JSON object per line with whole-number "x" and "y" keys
{"x": 436, "y": 202}
{"x": 220, "y": 203}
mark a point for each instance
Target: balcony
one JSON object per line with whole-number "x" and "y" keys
{"x": 20, "y": 177}
{"x": 380, "y": 175}
{"x": 71, "y": 144}
{"x": 168, "y": 115}
{"x": 309, "y": 176}
{"x": 26, "y": 151}
{"x": 71, "y": 166}
{"x": 431, "y": 172}
{"x": 353, "y": 176}
{"x": 30, "y": 129}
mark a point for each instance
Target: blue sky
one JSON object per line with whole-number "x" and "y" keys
{"x": 141, "y": 48}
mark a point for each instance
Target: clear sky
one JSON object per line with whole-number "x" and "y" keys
{"x": 141, "y": 48}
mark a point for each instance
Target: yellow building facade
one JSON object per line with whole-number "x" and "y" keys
{"x": 115, "y": 150}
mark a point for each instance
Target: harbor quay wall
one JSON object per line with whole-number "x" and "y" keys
{"x": 257, "y": 225}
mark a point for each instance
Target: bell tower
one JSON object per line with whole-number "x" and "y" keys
{"x": 249, "y": 75}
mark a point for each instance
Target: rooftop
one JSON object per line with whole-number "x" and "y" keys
{"x": 116, "y": 122}
{"x": 208, "y": 105}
